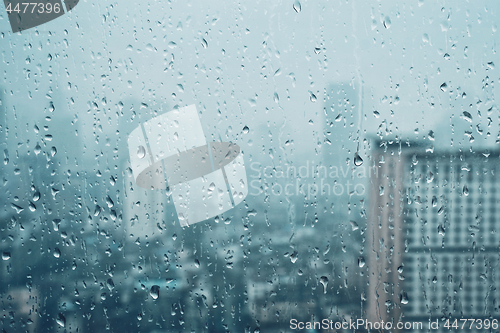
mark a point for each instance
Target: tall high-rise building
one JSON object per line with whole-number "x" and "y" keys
{"x": 432, "y": 241}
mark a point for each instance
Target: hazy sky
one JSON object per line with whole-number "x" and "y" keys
{"x": 258, "y": 64}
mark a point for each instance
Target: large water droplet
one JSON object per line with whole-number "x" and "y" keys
{"x": 155, "y": 291}
{"x": 141, "y": 152}
{"x": 387, "y": 22}
{"x": 297, "y": 7}
{"x": 5, "y": 255}
{"x": 38, "y": 149}
{"x": 61, "y": 320}
{"x": 57, "y": 252}
{"x": 357, "y": 160}
{"x": 110, "y": 284}
{"x": 467, "y": 116}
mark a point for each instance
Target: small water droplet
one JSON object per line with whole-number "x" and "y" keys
{"x": 324, "y": 281}
{"x": 403, "y": 297}
{"x": 155, "y": 292}
{"x": 313, "y": 97}
{"x": 109, "y": 202}
{"x": 297, "y": 7}
{"x": 246, "y": 129}
{"x": 465, "y": 190}
{"x": 443, "y": 86}
{"x": 197, "y": 263}
{"x": 441, "y": 230}
{"x": 361, "y": 262}
{"x": 110, "y": 284}
{"x": 57, "y": 252}
{"x": 357, "y": 160}
{"x": 38, "y": 149}
{"x": 36, "y": 196}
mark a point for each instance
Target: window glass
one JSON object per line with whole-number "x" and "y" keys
{"x": 282, "y": 166}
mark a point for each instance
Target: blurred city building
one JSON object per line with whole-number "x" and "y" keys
{"x": 431, "y": 234}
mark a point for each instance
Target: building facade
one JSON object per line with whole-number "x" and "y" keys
{"x": 431, "y": 236}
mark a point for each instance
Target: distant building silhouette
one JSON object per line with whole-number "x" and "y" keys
{"x": 431, "y": 236}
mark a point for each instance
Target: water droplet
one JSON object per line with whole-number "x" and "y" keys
{"x": 155, "y": 292}
{"x": 38, "y": 149}
{"x": 467, "y": 116}
{"x": 357, "y": 160}
{"x": 441, "y": 230}
{"x": 324, "y": 281}
{"x": 197, "y": 263}
{"x": 36, "y": 196}
{"x": 57, "y": 252}
{"x": 361, "y": 262}
{"x": 53, "y": 151}
{"x": 443, "y": 87}
{"x": 465, "y": 190}
{"x": 32, "y": 206}
{"x": 294, "y": 256}
{"x": 60, "y": 320}
{"x": 434, "y": 201}
{"x": 354, "y": 226}
{"x": 141, "y": 152}
{"x": 387, "y": 22}
{"x": 110, "y": 284}
{"x": 403, "y": 297}
{"x": 5, "y": 255}
{"x": 246, "y": 129}
{"x": 109, "y": 202}
{"x": 297, "y": 7}
{"x": 313, "y": 97}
